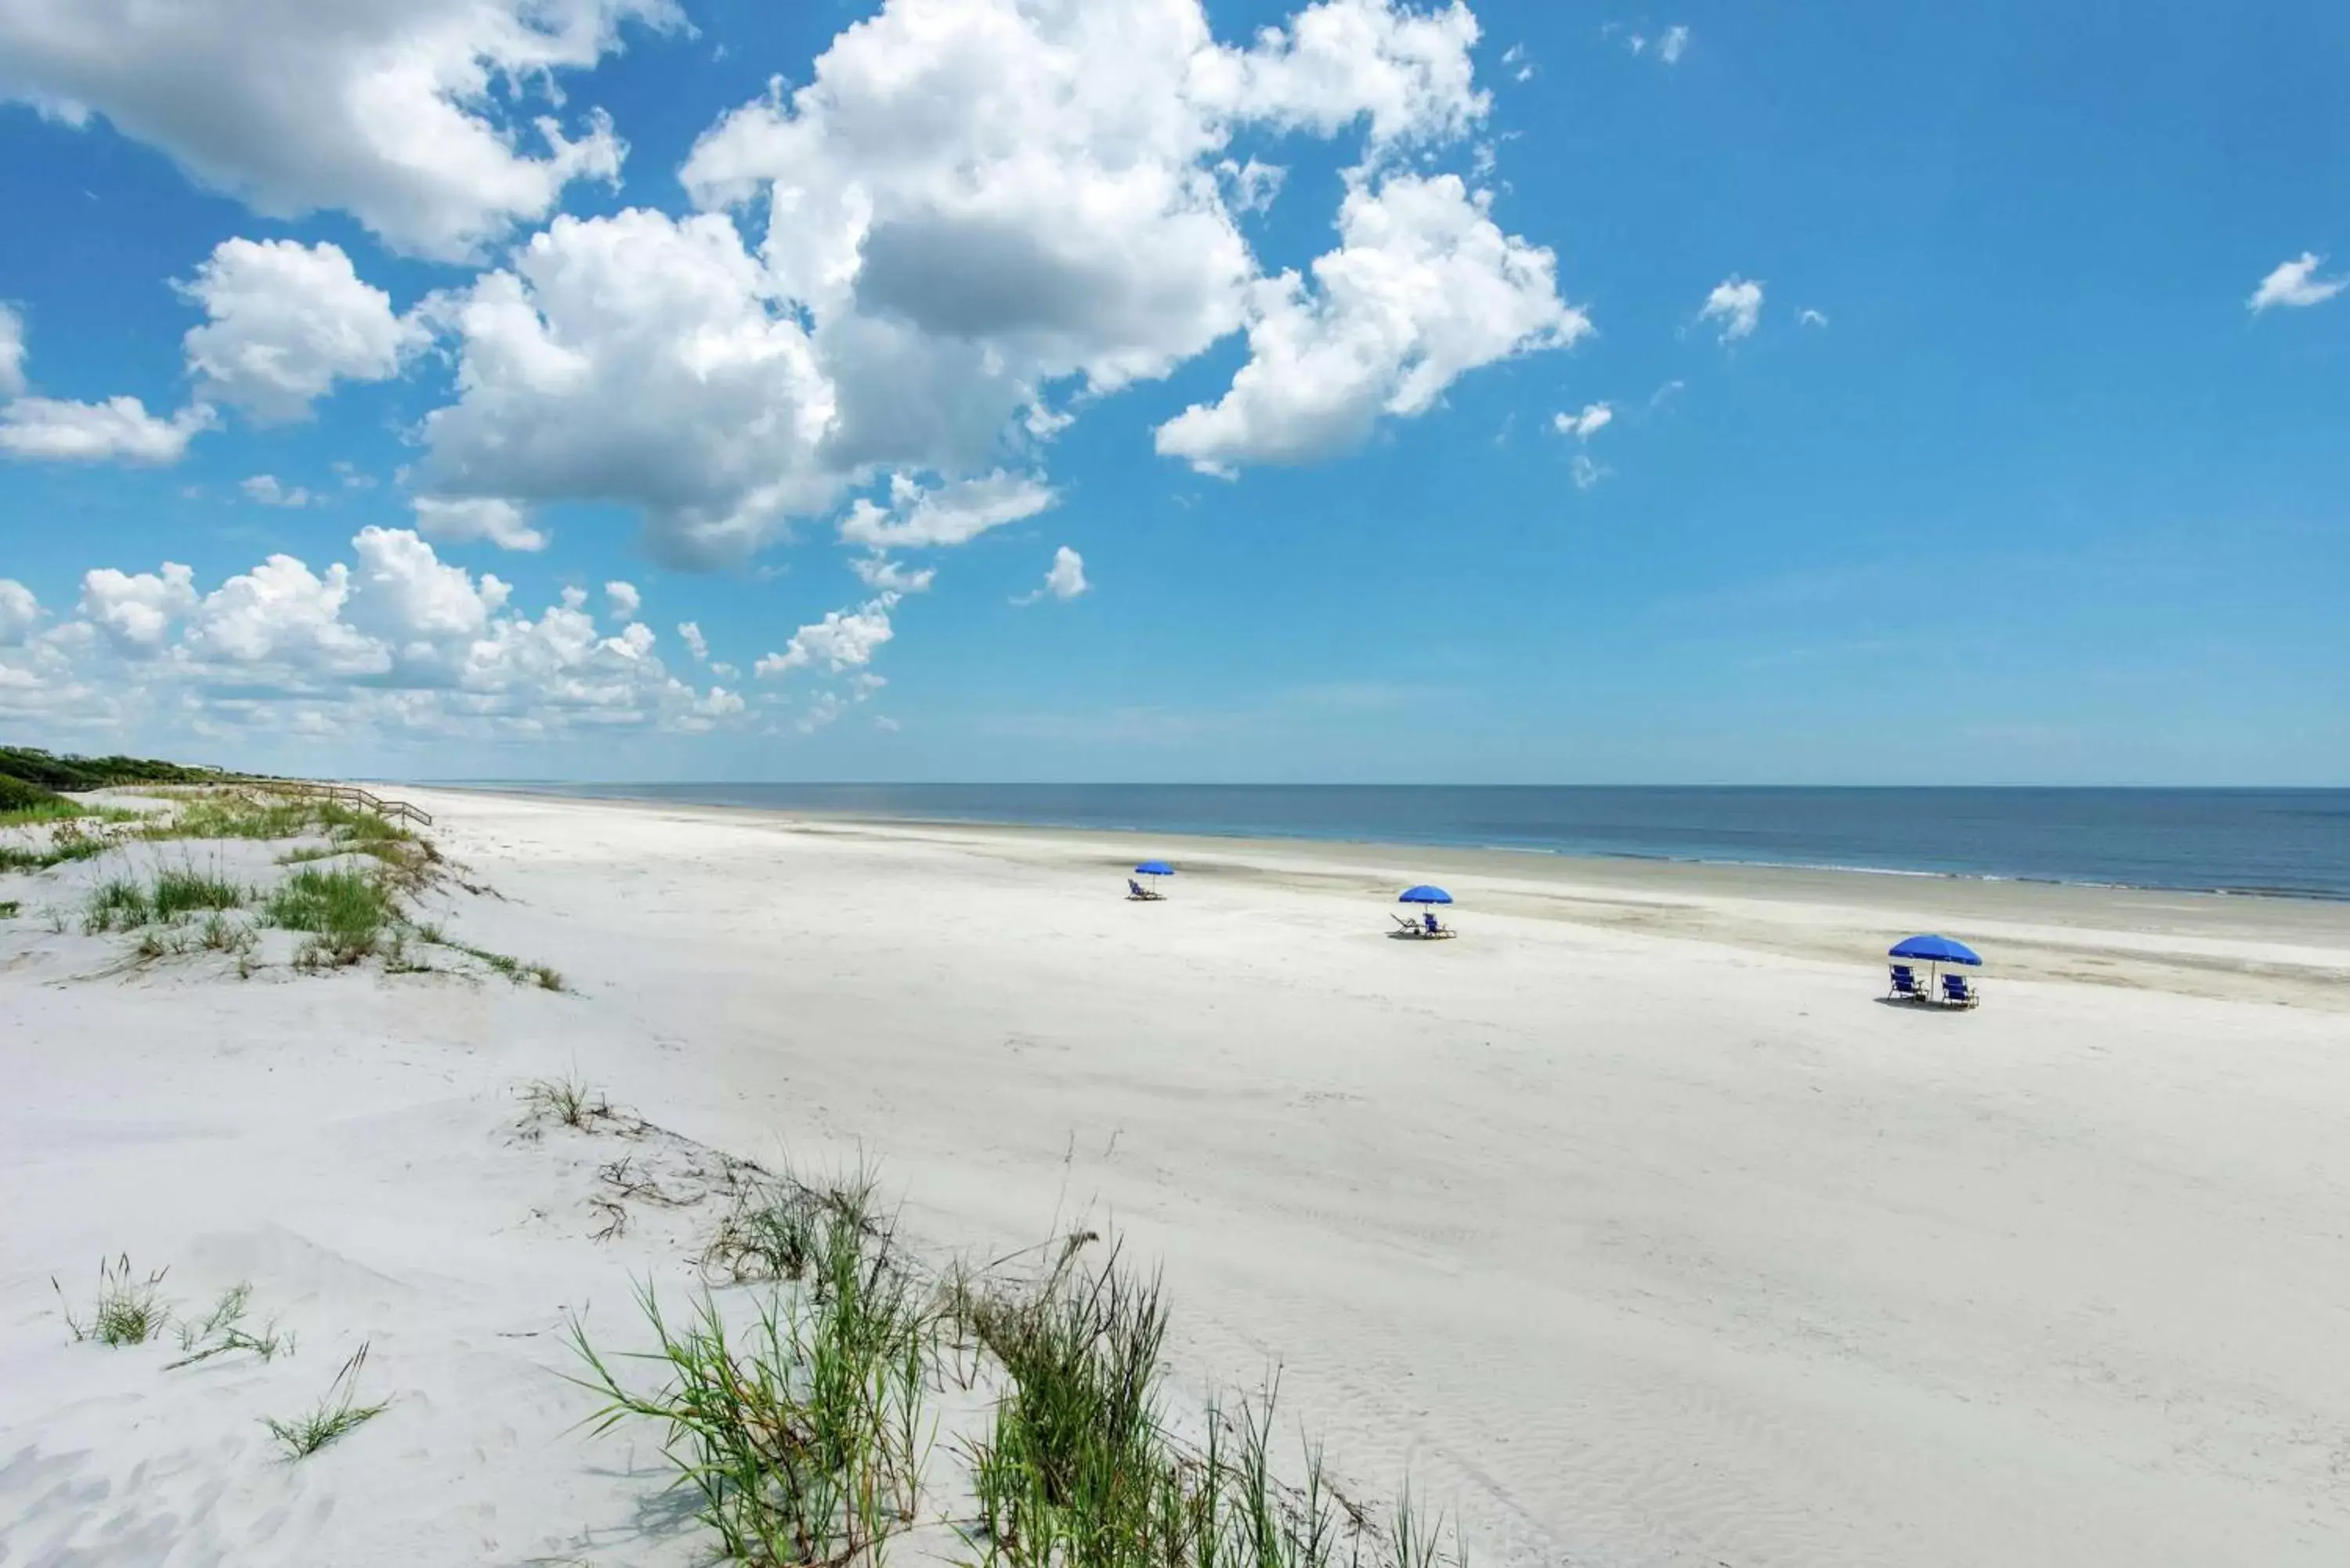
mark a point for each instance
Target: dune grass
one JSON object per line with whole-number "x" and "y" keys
{"x": 10, "y": 908}
{"x": 117, "y": 904}
{"x": 61, "y": 809}
{"x": 802, "y": 1434}
{"x": 352, "y": 911}
{"x": 569, "y": 1100}
{"x": 779, "y": 1227}
{"x": 210, "y": 813}
{"x": 337, "y": 1412}
{"x": 801, "y": 1427}
{"x": 222, "y": 1331}
{"x": 1078, "y": 1466}
{"x": 120, "y": 903}
{"x": 350, "y": 829}
{"x": 69, "y": 841}
{"x": 547, "y": 977}
{"x": 347, "y": 911}
{"x": 128, "y": 1310}
{"x": 185, "y": 891}
{"x": 234, "y": 815}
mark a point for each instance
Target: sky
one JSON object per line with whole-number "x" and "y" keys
{"x": 1143, "y": 390}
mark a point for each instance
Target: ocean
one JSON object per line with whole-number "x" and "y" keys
{"x": 2293, "y": 842}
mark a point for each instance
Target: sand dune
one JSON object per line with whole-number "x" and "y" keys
{"x": 1630, "y": 1225}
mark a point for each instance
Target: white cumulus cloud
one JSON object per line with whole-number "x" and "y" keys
{"x": 468, "y": 519}
{"x": 1063, "y": 580}
{"x": 1423, "y": 288}
{"x": 118, "y": 429}
{"x": 20, "y": 612}
{"x": 12, "y": 351}
{"x": 393, "y": 638}
{"x": 953, "y": 514}
{"x": 1595, "y": 418}
{"x": 415, "y": 115}
{"x": 285, "y": 322}
{"x": 642, "y": 359}
{"x": 842, "y": 640}
{"x": 265, "y": 489}
{"x": 2295, "y": 283}
{"x": 879, "y": 571}
{"x": 1737, "y": 303}
{"x": 1407, "y": 72}
{"x": 623, "y": 601}
{"x": 1673, "y": 45}
{"x": 966, "y": 204}
{"x": 137, "y": 612}
{"x": 281, "y": 612}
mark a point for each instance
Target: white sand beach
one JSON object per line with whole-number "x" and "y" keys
{"x": 1632, "y": 1226}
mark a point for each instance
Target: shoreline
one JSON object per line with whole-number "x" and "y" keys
{"x": 2194, "y": 944}
{"x": 1279, "y": 836}
{"x": 1762, "y": 878}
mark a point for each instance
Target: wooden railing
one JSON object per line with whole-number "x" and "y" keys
{"x": 350, "y": 794}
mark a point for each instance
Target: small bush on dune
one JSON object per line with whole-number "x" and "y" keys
{"x": 21, "y": 800}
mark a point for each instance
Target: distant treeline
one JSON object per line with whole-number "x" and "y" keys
{"x": 26, "y": 768}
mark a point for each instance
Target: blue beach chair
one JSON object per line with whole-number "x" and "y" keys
{"x": 1957, "y": 992}
{"x": 1136, "y": 891}
{"x": 1905, "y": 984}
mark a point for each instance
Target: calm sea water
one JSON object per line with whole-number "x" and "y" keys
{"x": 2271, "y": 841}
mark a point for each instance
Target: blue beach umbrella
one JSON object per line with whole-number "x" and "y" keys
{"x": 1932, "y": 949}
{"x": 1154, "y": 868}
{"x": 1424, "y": 894}
{"x": 1935, "y": 950}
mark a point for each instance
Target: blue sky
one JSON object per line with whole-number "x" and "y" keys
{"x": 1974, "y": 390}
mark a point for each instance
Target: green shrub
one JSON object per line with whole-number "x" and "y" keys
{"x": 30, "y": 802}
{"x": 51, "y": 771}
